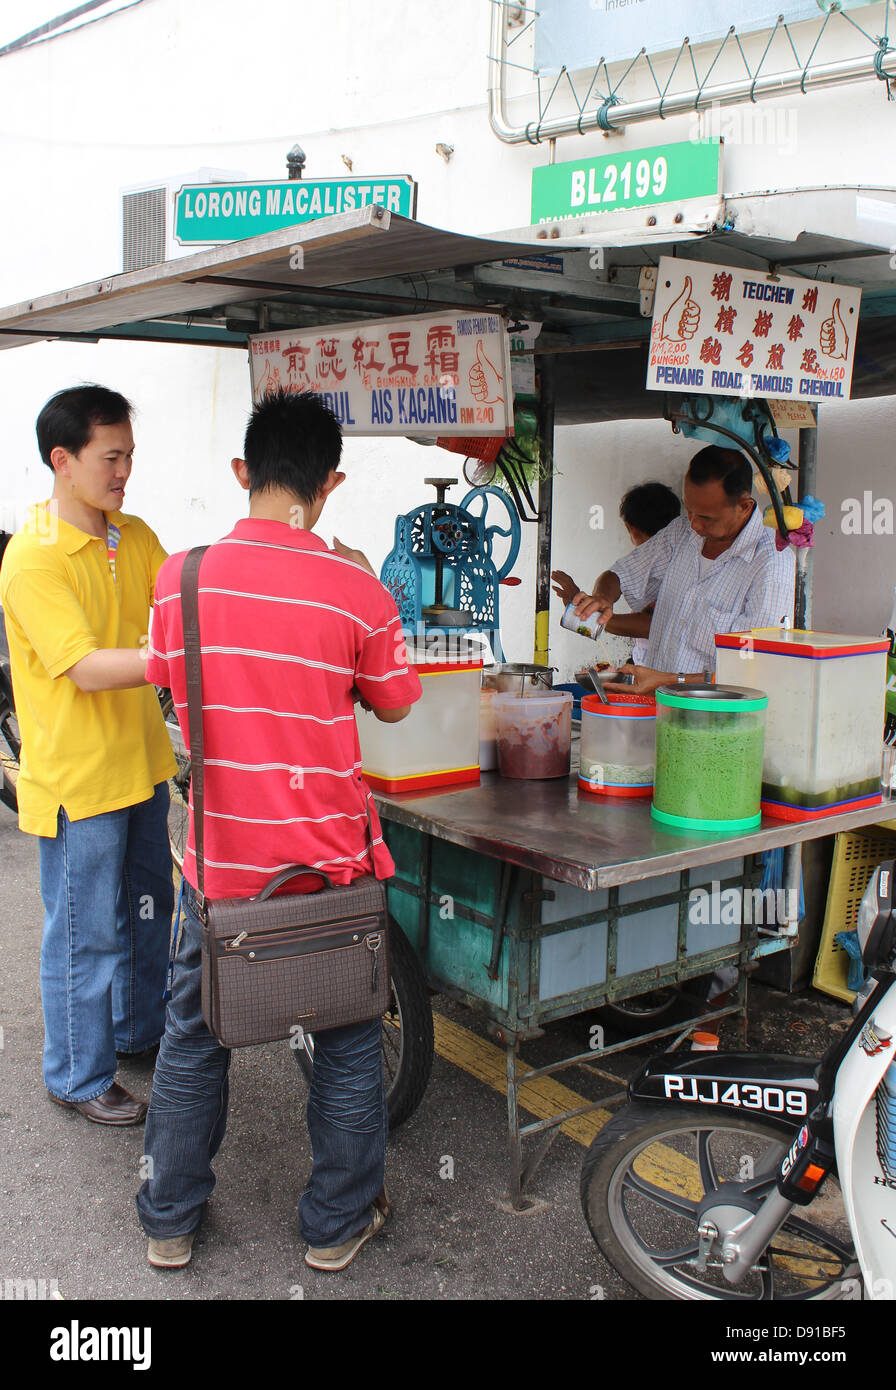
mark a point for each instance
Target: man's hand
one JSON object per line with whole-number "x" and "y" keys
{"x": 586, "y": 604}
{"x": 645, "y": 682}
{"x": 564, "y": 586}
{"x": 359, "y": 699}
{"x": 356, "y": 556}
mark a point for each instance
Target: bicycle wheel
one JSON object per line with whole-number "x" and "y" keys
{"x": 10, "y": 743}
{"x": 407, "y": 1033}
{"x": 644, "y": 1177}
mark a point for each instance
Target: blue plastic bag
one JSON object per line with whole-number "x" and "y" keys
{"x": 773, "y": 877}
{"x": 857, "y": 973}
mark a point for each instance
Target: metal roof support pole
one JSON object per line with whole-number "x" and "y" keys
{"x": 545, "y": 367}
{"x": 805, "y": 557}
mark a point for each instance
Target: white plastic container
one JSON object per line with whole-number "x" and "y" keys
{"x": 825, "y": 715}
{"x": 534, "y": 734}
{"x": 437, "y": 745}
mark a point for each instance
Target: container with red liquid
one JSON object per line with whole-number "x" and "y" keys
{"x": 534, "y": 734}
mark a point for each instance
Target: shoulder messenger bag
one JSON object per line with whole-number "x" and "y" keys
{"x": 273, "y": 965}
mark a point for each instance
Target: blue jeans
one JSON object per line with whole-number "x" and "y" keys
{"x": 187, "y": 1117}
{"x": 108, "y": 894}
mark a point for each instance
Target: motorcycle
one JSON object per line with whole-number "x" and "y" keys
{"x": 756, "y": 1177}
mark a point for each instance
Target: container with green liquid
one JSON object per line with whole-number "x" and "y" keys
{"x": 709, "y": 747}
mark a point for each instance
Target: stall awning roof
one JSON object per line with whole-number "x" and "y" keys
{"x": 373, "y": 263}
{"x": 366, "y": 244}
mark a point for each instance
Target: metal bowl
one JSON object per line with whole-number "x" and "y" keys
{"x": 518, "y": 678}
{"x": 612, "y": 673}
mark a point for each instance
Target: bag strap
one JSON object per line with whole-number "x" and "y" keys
{"x": 189, "y": 600}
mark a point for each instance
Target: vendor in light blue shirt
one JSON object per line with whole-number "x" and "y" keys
{"x": 715, "y": 569}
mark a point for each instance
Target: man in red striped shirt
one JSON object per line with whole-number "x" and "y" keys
{"x": 292, "y": 633}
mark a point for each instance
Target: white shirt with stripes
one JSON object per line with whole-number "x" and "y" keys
{"x": 750, "y": 585}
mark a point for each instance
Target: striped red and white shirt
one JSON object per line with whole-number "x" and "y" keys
{"x": 287, "y": 628}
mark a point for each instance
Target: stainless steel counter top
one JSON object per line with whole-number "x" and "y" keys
{"x": 550, "y": 828}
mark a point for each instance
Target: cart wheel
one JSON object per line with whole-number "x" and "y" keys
{"x": 407, "y": 1033}
{"x": 641, "y": 1014}
{"x": 645, "y": 1012}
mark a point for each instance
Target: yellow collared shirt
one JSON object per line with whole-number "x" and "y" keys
{"x": 89, "y": 753}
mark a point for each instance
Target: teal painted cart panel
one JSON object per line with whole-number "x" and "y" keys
{"x": 563, "y": 950}
{"x": 459, "y": 948}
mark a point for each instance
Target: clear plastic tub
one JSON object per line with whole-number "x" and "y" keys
{"x": 437, "y": 745}
{"x": 616, "y": 752}
{"x": 825, "y": 691}
{"x": 709, "y": 746}
{"x": 534, "y": 734}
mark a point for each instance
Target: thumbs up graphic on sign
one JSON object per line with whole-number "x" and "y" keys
{"x": 682, "y": 319}
{"x": 484, "y": 378}
{"x": 833, "y": 337}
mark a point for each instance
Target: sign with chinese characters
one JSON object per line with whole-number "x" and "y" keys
{"x": 430, "y": 374}
{"x": 211, "y": 212}
{"x": 721, "y": 331}
{"x": 633, "y": 179}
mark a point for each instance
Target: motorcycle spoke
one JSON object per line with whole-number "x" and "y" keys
{"x": 708, "y": 1175}
{"x": 682, "y": 1206}
{"x": 667, "y": 1258}
{"x": 823, "y": 1238}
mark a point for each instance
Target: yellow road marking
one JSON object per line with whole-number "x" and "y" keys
{"x": 545, "y": 1098}
{"x": 660, "y": 1164}
{"x": 542, "y": 1098}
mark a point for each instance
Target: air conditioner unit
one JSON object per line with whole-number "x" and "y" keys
{"x": 147, "y": 216}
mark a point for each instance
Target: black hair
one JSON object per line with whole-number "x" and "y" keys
{"x": 649, "y": 507}
{"x": 68, "y": 419}
{"x": 729, "y": 467}
{"x": 293, "y": 441}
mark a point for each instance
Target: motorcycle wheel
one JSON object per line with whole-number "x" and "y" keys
{"x": 408, "y": 1042}
{"x": 644, "y": 1176}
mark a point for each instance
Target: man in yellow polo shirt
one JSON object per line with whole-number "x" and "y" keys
{"x": 76, "y": 589}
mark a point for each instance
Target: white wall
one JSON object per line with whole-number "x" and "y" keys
{"x": 167, "y": 87}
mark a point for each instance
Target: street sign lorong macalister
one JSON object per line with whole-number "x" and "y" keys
{"x": 429, "y": 374}
{"x": 213, "y": 212}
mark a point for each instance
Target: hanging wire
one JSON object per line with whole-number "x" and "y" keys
{"x": 719, "y": 53}
{"x": 608, "y": 92}
{"x": 814, "y": 46}
{"x": 771, "y": 39}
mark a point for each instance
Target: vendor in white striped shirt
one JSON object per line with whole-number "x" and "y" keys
{"x": 715, "y": 569}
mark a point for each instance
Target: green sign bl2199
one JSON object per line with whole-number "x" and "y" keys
{"x": 627, "y": 179}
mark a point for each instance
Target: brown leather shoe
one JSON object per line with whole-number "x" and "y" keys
{"x": 114, "y": 1107}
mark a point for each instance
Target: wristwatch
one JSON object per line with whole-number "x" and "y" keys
{"x": 681, "y": 680}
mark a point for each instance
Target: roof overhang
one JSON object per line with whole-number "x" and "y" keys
{"x": 289, "y": 265}
{"x": 370, "y": 263}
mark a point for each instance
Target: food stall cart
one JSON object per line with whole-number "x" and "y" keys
{"x": 559, "y": 903}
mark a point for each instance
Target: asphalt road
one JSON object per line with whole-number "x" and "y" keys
{"x": 67, "y": 1187}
